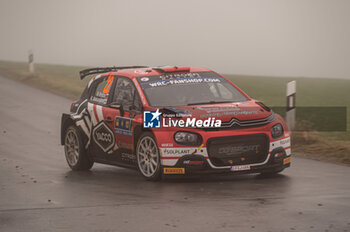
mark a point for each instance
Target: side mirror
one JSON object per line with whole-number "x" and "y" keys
{"x": 118, "y": 107}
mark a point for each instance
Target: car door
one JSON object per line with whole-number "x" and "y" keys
{"x": 102, "y": 140}
{"x": 122, "y": 109}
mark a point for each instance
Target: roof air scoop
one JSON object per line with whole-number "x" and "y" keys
{"x": 171, "y": 69}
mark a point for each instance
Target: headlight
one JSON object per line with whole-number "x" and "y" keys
{"x": 188, "y": 138}
{"x": 277, "y": 131}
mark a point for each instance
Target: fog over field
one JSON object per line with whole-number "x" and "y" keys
{"x": 309, "y": 38}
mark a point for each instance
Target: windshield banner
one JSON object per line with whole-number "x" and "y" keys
{"x": 178, "y": 79}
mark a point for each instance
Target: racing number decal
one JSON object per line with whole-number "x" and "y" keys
{"x": 108, "y": 85}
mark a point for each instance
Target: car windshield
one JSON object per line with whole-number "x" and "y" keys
{"x": 188, "y": 89}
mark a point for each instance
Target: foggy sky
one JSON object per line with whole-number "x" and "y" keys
{"x": 257, "y": 37}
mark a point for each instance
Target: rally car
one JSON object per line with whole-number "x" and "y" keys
{"x": 172, "y": 120}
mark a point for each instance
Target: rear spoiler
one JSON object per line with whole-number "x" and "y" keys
{"x": 91, "y": 71}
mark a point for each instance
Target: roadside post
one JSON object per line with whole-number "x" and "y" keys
{"x": 290, "y": 111}
{"x": 31, "y": 61}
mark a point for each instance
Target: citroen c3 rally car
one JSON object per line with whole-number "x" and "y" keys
{"x": 172, "y": 120}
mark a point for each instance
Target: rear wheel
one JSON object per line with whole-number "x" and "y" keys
{"x": 75, "y": 152}
{"x": 148, "y": 158}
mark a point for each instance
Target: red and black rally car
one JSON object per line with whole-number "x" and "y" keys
{"x": 172, "y": 120}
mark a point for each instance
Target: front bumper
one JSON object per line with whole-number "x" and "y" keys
{"x": 278, "y": 159}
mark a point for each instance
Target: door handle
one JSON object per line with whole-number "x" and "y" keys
{"x": 109, "y": 120}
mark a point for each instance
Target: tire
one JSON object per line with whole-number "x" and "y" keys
{"x": 148, "y": 158}
{"x": 75, "y": 152}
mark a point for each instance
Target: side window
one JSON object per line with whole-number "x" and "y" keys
{"x": 137, "y": 102}
{"x": 101, "y": 92}
{"x": 124, "y": 94}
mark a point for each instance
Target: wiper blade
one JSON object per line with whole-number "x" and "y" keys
{"x": 209, "y": 102}
{"x": 167, "y": 110}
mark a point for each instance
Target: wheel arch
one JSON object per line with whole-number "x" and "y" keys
{"x": 138, "y": 130}
{"x": 66, "y": 121}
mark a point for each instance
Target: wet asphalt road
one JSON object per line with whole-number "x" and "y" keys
{"x": 38, "y": 192}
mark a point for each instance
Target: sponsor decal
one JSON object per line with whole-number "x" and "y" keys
{"x": 103, "y": 137}
{"x": 193, "y": 162}
{"x": 183, "y": 81}
{"x": 102, "y": 95}
{"x": 229, "y": 113}
{"x": 128, "y": 157}
{"x": 232, "y": 150}
{"x": 286, "y": 160}
{"x": 177, "y": 151}
{"x": 124, "y": 145}
{"x": 281, "y": 143}
{"x": 151, "y": 119}
{"x": 174, "y": 170}
{"x": 178, "y": 79}
{"x": 99, "y": 100}
{"x": 219, "y": 109}
{"x": 225, "y": 110}
{"x": 167, "y": 145}
{"x": 199, "y": 149}
{"x": 285, "y": 141}
{"x": 179, "y": 75}
{"x": 240, "y": 168}
{"x": 108, "y": 85}
{"x": 140, "y": 72}
{"x": 123, "y": 126}
{"x": 278, "y": 155}
{"x": 144, "y": 79}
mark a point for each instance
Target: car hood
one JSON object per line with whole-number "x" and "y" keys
{"x": 248, "y": 110}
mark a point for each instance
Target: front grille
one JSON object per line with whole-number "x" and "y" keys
{"x": 238, "y": 150}
{"x": 237, "y": 124}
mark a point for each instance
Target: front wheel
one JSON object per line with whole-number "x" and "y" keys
{"x": 148, "y": 158}
{"x": 76, "y": 155}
